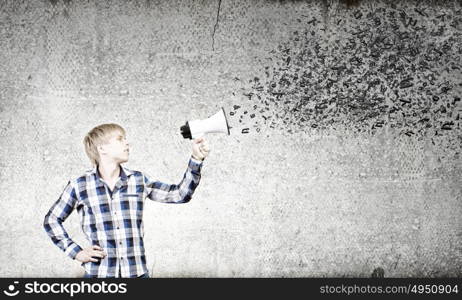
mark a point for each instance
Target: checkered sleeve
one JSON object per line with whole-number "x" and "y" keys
{"x": 53, "y": 222}
{"x": 175, "y": 193}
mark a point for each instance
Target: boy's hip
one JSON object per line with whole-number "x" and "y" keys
{"x": 108, "y": 267}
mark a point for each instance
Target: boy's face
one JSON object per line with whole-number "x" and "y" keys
{"x": 116, "y": 148}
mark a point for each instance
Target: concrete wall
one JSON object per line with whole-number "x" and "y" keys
{"x": 351, "y": 164}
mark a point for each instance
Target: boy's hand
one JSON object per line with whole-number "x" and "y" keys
{"x": 200, "y": 148}
{"x": 89, "y": 253}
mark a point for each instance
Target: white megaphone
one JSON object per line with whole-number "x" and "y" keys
{"x": 198, "y": 128}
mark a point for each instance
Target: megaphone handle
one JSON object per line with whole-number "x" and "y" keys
{"x": 199, "y": 135}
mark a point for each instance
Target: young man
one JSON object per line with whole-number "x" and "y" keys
{"x": 110, "y": 200}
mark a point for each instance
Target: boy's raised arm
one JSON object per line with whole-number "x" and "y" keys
{"x": 175, "y": 193}
{"x": 53, "y": 222}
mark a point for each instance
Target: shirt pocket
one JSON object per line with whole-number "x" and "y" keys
{"x": 133, "y": 204}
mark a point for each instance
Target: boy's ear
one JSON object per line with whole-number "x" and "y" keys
{"x": 101, "y": 149}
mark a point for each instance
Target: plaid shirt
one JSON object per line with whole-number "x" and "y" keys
{"x": 113, "y": 220}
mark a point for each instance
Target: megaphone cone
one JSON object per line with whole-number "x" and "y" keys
{"x": 197, "y": 128}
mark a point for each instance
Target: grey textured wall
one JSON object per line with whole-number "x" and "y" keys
{"x": 351, "y": 165}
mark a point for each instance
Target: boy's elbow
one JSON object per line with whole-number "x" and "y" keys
{"x": 187, "y": 199}
{"x": 187, "y": 194}
{"x": 184, "y": 199}
{"x": 46, "y": 222}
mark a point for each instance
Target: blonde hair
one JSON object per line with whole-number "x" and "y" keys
{"x": 98, "y": 136}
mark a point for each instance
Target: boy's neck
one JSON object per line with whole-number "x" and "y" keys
{"x": 109, "y": 171}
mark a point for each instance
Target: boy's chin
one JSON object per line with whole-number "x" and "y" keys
{"x": 123, "y": 160}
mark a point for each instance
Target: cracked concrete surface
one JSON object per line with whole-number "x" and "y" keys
{"x": 216, "y": 25}
{"x": 351, "y": 165}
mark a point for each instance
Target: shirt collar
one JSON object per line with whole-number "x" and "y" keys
{"x": 124, "y": 172}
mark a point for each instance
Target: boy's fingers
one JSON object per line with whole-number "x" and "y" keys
{"x": 98, "y": 254}
{"x": 93, "y": 259}
{"x": 97, "y": 247}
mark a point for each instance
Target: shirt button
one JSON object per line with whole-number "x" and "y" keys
{"x": 117, "y": 227}
{"x": 120, "y": 243}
